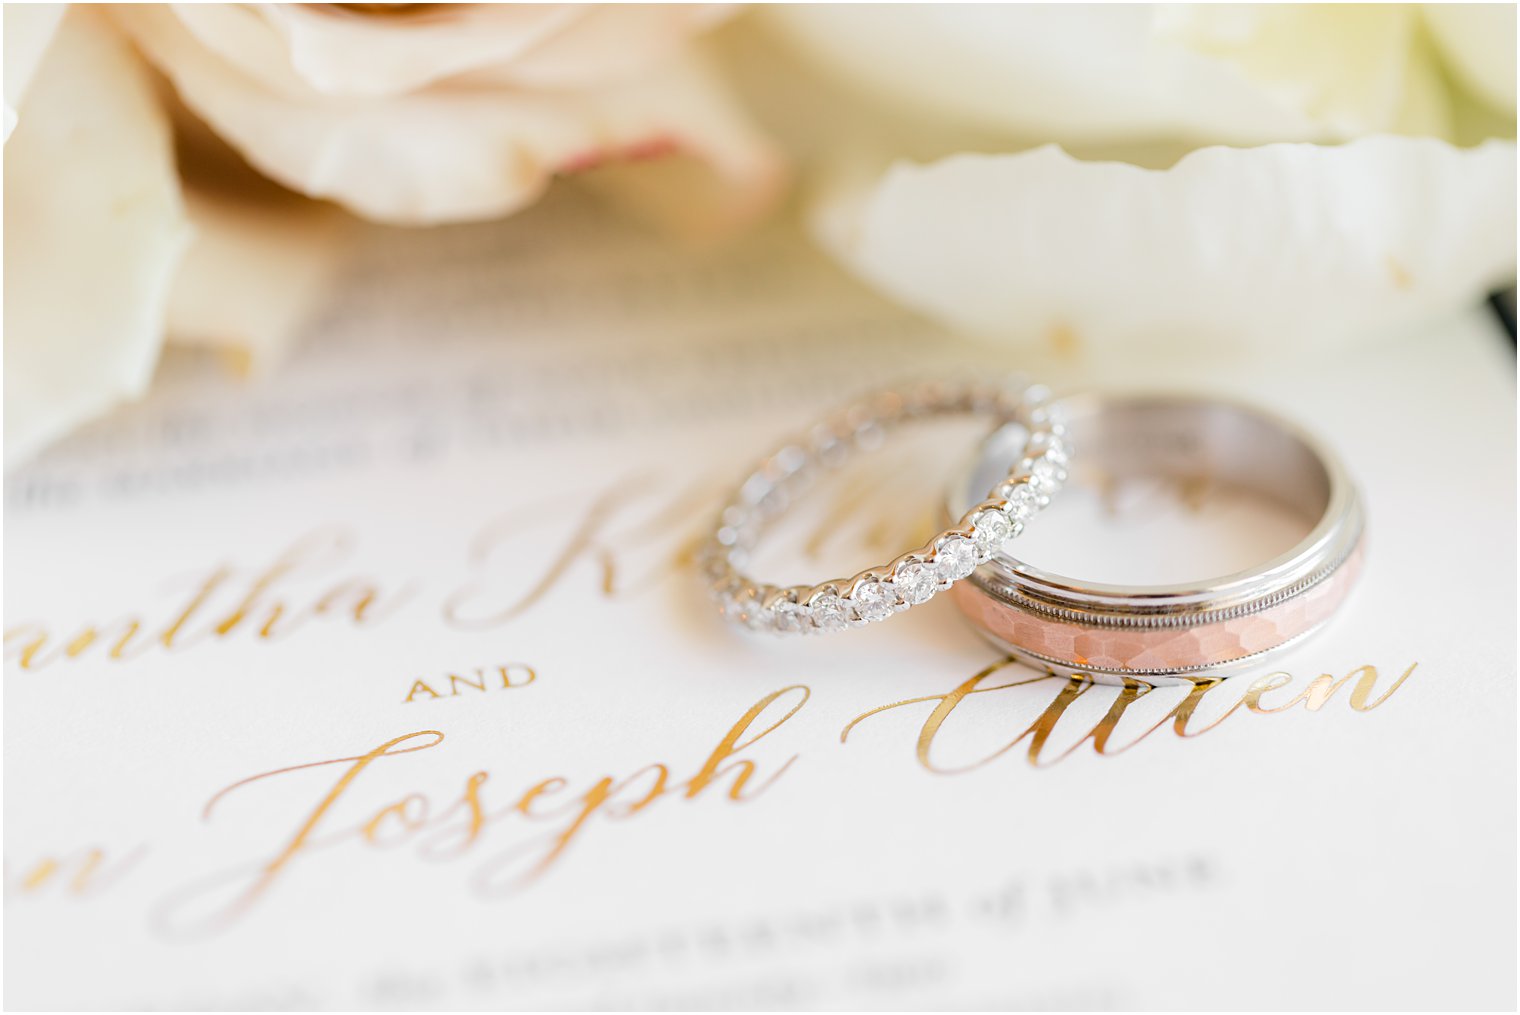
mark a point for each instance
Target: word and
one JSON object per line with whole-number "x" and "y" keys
{"x": 481, "y": 679}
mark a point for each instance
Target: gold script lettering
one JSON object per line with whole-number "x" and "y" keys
{"x": 83, "y": 874}
{"x": 1039, "y": 732}
{"x": 213, "y": 903}
{"x": 606, "y": 537}
{"x": 259, "y": 606}
{"x": 265, "y": 873}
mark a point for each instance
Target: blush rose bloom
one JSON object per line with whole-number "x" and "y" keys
{"x": 416, "y": 114}
{"x": 124, "y": 190}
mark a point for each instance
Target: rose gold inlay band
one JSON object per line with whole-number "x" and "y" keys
{"x": 1207, "y": 627}
{"x": 1170, "y": 649}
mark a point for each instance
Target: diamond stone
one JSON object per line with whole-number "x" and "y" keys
{"x": 1047, "y": 472}
{"x": 829, "y": 612}
{"x": 955, "y": 559}
{"x": 916, "y": 582}
{"x": 729, "y": 602}
{"x": 874, "y": 600}
{"x": 749, "y": 611}
{"x": 990, "y": 530}
{"x": 790, "y": 618}
{"x": 1023, "y": 502}
{"x": 1023, "y": 493}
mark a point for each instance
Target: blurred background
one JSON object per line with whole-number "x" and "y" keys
{"x": 1082, "y": 189}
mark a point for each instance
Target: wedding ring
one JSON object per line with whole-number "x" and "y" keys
{"x": 1019, "y": 491}
{"x": 1110, "y": 633}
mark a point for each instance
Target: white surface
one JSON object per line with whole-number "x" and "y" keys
{"x": 478, "y": 391}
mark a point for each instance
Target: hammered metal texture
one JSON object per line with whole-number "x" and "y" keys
{"x": 1149, "y": 650}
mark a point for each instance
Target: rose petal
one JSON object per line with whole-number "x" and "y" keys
{"x": 342, "y": 52}
{"x": 1087, "y": 74}
{"x": 93, "y": 233}
{"x": 1351, "y": 69}
{"x": 612, "y": 40}
{"x": 453, "y": 153}
{"x": 533, "y": 45}
{"x": 28, "y": 30}
{"x": 1266, "y": 247}
{"x": 1478, "y": 42}
{"x": 294, "y": 47}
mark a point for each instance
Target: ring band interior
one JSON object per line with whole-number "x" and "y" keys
{"x": 1178, "y": 439}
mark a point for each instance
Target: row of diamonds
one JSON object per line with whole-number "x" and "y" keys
{"x": 915, "y": 578}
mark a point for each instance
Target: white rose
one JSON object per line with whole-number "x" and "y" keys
{"x": 1478, "y": 41}
{"x": 1140, "y": 238}
{"x": 94, "y": 224}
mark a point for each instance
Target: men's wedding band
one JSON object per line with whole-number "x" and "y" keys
{"x": 1112, "y": 632}
{"x": 1031, "y": 473}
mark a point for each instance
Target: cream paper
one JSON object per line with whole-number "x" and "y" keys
{"x": 387, "y": 682}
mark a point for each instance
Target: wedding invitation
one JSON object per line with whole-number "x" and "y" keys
{"x": 389, "y": 681}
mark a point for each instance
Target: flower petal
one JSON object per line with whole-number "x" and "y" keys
{"x": 1262, "y": 248}
{"x": 1352, "y": 69}
{"x": 336, "y": 51}
{"x": 1478, "y": 42}
{"x": 93, "y": 235}
{"x": 28, "y": 30}
{"x": 340, "y": 52}
{"x": 611, "y": 40}
{"x": 1109, "y": 74}
{"x": 451, "y": 152}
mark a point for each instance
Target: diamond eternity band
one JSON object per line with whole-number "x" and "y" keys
{"x": 916, "y": 576}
